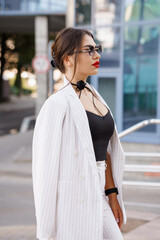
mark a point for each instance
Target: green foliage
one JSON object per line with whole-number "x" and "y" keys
{"x": 14, "y": 90}
{"x": 19, "y": 52}
{"x": 24, "y": 46}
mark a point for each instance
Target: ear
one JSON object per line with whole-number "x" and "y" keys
{"x": 68, "y": 61}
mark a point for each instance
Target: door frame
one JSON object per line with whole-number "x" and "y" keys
{"x": 112, "y": 73}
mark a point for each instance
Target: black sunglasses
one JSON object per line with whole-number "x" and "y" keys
{"x": 91, "y": 50}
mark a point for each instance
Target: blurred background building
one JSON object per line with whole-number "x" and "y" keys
{"x": 129, "y": 32}
{"x": 129, "y": 77}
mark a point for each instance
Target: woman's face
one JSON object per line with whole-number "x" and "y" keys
{"x": 86, "y": 65}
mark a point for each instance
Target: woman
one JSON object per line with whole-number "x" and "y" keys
{"x": 77, "y": 156}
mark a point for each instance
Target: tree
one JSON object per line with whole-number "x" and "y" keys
{"x": 3, "y": 50}
{"x": 17, "y": 51}
{"x": 24, "y": 46}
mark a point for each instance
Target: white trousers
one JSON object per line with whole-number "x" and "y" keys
{"x": 111, "y": 230}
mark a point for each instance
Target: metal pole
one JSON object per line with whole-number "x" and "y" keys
{"x": 138, "y": 126}
{"x": 70, "y": 13}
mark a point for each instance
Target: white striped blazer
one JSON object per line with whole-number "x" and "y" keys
{"x": 67, "y": 195}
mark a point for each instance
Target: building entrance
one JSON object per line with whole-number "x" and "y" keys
{"x": 107, "y": 85}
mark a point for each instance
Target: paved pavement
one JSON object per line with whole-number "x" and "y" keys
{"x": 17, "y": 215}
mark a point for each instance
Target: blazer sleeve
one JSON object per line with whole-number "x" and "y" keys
{"x": 46, "y": 146}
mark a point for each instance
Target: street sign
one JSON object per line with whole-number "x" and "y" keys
{"x": 40, "y": 64}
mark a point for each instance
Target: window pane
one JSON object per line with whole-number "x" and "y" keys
{"x": 83, "y": 12}
{"x": 141, "y": 10}
{"x": 34, "y": 5}
{"x": 109, "y": 38}
{"x": 142, "y": 46}
{"x": 47, "y": 5}
{"x": 107, "y": 11}
{"x": 12, "y": 5}
{"x": 107, "y": 90}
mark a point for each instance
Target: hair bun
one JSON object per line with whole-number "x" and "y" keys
{"x": 53, "y": 63}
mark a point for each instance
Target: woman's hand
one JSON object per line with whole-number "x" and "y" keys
{"x": 116, "y": 209}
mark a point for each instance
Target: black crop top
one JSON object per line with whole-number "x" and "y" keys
{"x": 102, "y": 128}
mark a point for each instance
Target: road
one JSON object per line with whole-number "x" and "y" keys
{"x": 13, "y": 112}
{"x": 12, "y": 119}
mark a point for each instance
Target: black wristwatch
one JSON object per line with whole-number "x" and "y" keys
{"x": 111, "y": 190}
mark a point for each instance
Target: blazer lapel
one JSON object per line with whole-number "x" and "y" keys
{"x": 81, "y": 121}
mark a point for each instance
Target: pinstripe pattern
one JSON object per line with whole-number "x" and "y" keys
{"x": 66, "y": 185}
{"x": 111, "y": 230}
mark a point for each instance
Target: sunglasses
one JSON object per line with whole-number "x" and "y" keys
{"x": 91, "y": 50}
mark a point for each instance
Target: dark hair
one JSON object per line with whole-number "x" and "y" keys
{"x": 67, "y": 41}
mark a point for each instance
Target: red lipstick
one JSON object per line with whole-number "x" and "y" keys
{"x": 96, "y": 64}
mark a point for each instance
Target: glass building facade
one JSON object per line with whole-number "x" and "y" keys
{"x": 32, "y": 6}
{"x": 129, "y": 76}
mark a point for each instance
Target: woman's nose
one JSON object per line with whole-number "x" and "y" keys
{"x": 96, "y": 55}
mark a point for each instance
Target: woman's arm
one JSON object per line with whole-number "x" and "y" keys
{"x": 46, "y": 149}
{"x": 109, "y": 177}
{"x": 112, "y": 197}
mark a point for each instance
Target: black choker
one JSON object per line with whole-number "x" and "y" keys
{"x": 80, "y": 86}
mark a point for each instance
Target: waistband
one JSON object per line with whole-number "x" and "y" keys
{"x": 101, "y": 163}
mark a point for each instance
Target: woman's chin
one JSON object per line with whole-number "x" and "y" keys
{"x": 94, "y": 72}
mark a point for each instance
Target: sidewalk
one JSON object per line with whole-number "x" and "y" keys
{"x": 148, "y": 226}
{"x": 18, "y": 103}
{"x": 147, "y": 231}
{"x": 13, "y": 112}
{"x": 17, "y": 219}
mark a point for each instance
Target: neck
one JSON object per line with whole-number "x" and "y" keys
{"x": 76, "y": 77}
{"x": 75, "y": 82}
